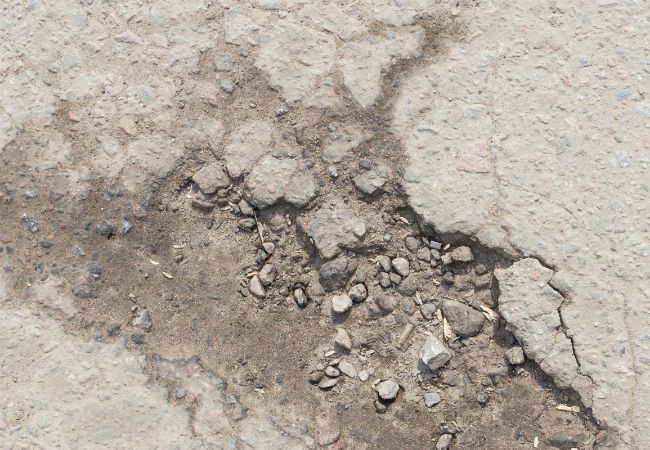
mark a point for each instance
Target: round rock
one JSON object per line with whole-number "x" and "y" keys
{"x": 341, "y": 303}
{"x": 401, "y": 266}
{"x": 388, "y": 390}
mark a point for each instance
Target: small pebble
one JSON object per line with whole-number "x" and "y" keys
{"x": 341, "y": 303}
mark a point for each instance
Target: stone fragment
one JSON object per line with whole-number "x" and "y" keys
{"x": 412, "y": 244}
{"x": 347, "y": 369}
{"x": 143, "y": 320}
{"x": 408, "y": 286}
{"x": 462, "y": 254}
{"x": 372, "y": 182}
{"x": 339, "y": 145}
{"x": 316, "y": 376}
{"x": 384, "y": 263}
{"x": 444, "y": 441}
{"x": 358, "y": 293}
{"x": 255, "y": 287}
{"x": 246, "y": 146}
{"x": 211, "y": 178}
{"x": 463, "y": 319}
{"x": 342, "y": 339}
{"x": 434, "y": 354}
{"x": 276, "y": 178}
{"x": 428, "y": 310}
{"x": 384, "y": 280}
{"x": 335, "y": 274}
{"x": 381, "y": 306}
{"x": 401, "y": 266}
{"x": 424, "y": 254}
{"x": 327, "y": 383}
{"x": 246, "y": 209}
{"x": 341, "y": 303}
{"x": 300, "y": 297}
{"x": 227, "y": 85}
{"x": 334, "y": 230}
{"x": 515, "y": 355}
{"x": 531, "y": 307}
{"x": 267, "y": 274}
{"x": 269, "y": 247}
{"x": 364, "y": 375}
{"x": 431, "y": 399}
{"x": 387, "y": 390}
{"x": 332, "y": 371}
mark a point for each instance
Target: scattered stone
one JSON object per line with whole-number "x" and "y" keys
{"x": 255, "y": 287}
{"x": 113, "y": 329}
{"x": 347, "y": 369}
{"x": 143, "y": 321}
{"x": 515, "y": 355}
{"x": 247, "y": 224}
{"x": 227, "y": 85}
{"x": 424, "y": 254}
{"x": 247, "y": 210}
{"x": 431, "y": 399}
{"x": 384, "y": 305}
{"x": 448, "y": 278}
{"x": 483, "y": 281}
{"x": 435, "y": 245}
{"x": 428, "y": 310}
{"x": 371, "y": 182}
{"x": 444, "y": 441}
{"x": 463, "y": 319}
{"x": 327, "y": 383}
{"x": 333, "y": 230}
{"x": 380, "y": 407}
{"x": 46, "y": 244}
{"x": 434, "y": 354}
{"x": 137, "y": 338}
{"x": 300, "y": 297}
{"x": 333, "y": 372}
{"x": 412, "y": 244}
{"x": 211, "y": 178}
{"x": 334, "y": 274}
{"x": 342, "y": 339}
{"x": 462, "y": 254}
{"x": 565, "y": 440}
{"x": 408, "y": 286}
{"x": 387, "y": 390}
{"x": 480, "y": 269}
{"x": 202, "y": 205}
{"x": 85, "y": 290}
{"x": 401, "y": 266}
{"x": 316, "y": 376}
{"x": 394, "y": 279}
{"x": 341, "y": 303}
{"x": 482, "y": 398}
{"x": 384, "y": 280}
{"x": 358, "y": 293}
{"x": 384, "y": 263}
{"x": 364, "y": 375}
{"x": 269, "y": 247}
{"x": 267, "y": 274}
{"x": 328, "y": 437}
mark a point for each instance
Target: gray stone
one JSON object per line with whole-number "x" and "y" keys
{"x": 462, "y": 254}
{"x": 211, "y": 178}
{"x": 364, "y": 375}
{"x": 341, "y": 303}
{"x": 342, "y": 339}
{"x": 256, "y": 288}
{"x": 408, "y": 286}
{"x": 269, "y": 247}
{"x": 431, "y": 399}
{"x": 267, "y": 274}
{"x": 401, "y": 266}
{"x": 300, "y": 297}
{"x": 143, "y": 320}
{"x": 384, "y": 280}
{"x": 384, "y": 263}
{"x": 227, "y": 85}
{"x": 515, "y": 355}
{"x": 334, "y": 230}
{"x": 327, "y": 383}
{"x": 247, "y": 210}
{"x": 388, "y": 390}
{"x": 348, "y": 369}
{"x": 412, "y": 244}
{"x": 428, "y": 310}
{"x": 371, "y": 182}
{"x": 463, "y": 319}
{"x": 358, "y": 293}
{"x": 434, "y": 354}
{"x": 444, "y": 441}
{"x": 335, "y": 274}
{"x": 424, "y": 254}
{"x": 275, "y": 178}
{"x": 246, "y": 145}
{"x": 333, "y": 372}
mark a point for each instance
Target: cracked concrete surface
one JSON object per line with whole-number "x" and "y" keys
{"x": 532, "y": 136}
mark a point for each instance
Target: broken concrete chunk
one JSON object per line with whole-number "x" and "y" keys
{"x": 531, "y": 307}
{"x": 463, "y": 319}
{"x": 434, "y": 354}
{"x": 276, "y": 178}
{"x": 211, "y": 178}
{"x": 333, "y": 230}
{"x": 371, "y": 182}
{"x": 246, "y": 146}
{"x": 358, "y": 293}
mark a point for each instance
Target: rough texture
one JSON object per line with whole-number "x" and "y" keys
{"x": 335, "y": 229}
{"x": 555, "y": 167}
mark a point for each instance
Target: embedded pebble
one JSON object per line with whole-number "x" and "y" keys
{"x": 342, "y": 339}
{"x": 341, "y": 303}
{"x": 401, "y": 266}
{"x": 358, "y": 293}
{"x": 434, "y": 354}
{"x": 462, "y": 254}
{"x": 387, "y": 390}
{"x": 255, "y": 287}
{"x": 267, "y": 274}
{"x": 515, "y": 355}
{"x": 431, "y": 399}
{"x": 347, "y": 369}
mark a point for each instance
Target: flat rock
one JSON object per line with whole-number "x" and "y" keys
{"x": 371, "y": 182}
{"x": 401, "y": 266}
{"x": 348, "y": 369}
{"x": 267, "y": 274}
{"x": 256, "y": 288}
{"x": 463, "y": 319}
{"x": 431, "y": 399}
{"x": 358, "y": 293}
{"x": 334, "y": 230}
{"x": 246, "y": 146}
{"x": 342, "y": 339}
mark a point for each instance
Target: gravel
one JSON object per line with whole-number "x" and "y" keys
{"x": 434, "y": 354}
{"x": 463, "y": 319}
{"x": 388, "y": 390}
{"x": 341, "y": 303}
